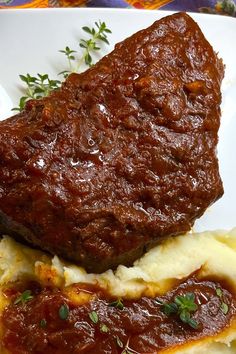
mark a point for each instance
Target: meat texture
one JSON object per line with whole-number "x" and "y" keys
{"x": 122, "y": 155}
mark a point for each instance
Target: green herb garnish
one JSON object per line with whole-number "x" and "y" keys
{"x": 219, "y": 292}
{"x": 89, "y": 46}
{"x": 99, "y": 33}
{"x": 186, "y": 302}
{"x": 94, "y": 317}
{"x": 69, "y": 53}
{"x": 37, "y": 87}
{"x": 41, "y": 85}
{"x": 169, "y": 308}
{"x": 118, "y": 304}
{"x": 119, "y": 342}
{"x": 182, "y": 306}
{"x": 24, "y": 297}
{"x": 64, "y": 312}
{"x": 224, "y": 308}
{"x": 104, "y": 328}
{"x": 43, "y": 323}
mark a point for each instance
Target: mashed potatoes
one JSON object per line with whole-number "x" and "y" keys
{"x": 211, "y": 253}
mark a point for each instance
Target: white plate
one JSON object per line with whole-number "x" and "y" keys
{"x": 30, "y": 40}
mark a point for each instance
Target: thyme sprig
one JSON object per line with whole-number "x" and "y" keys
{"x": 183, "y": 306}
{"x": 24, "y": 297}
{"x": 99, "y": 33}
{"x": 36, "y": 87}
{"x": 41, "y": 85}
{"x": 69, "y": 53}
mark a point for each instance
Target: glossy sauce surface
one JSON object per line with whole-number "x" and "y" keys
{"x": 97, "y": 327}
{"x": 122, "y": 155}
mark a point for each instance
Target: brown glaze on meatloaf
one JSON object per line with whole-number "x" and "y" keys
{"x": 122, "y": 155}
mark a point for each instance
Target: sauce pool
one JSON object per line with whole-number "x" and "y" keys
{"x": 52, "y": 323}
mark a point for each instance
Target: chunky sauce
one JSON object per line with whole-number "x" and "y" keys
{"x": 37, "y": 326}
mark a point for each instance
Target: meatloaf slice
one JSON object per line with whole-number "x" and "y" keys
{"x": 122, "y": 156}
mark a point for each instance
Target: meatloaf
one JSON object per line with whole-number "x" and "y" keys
{"x": 122, "y": 156}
